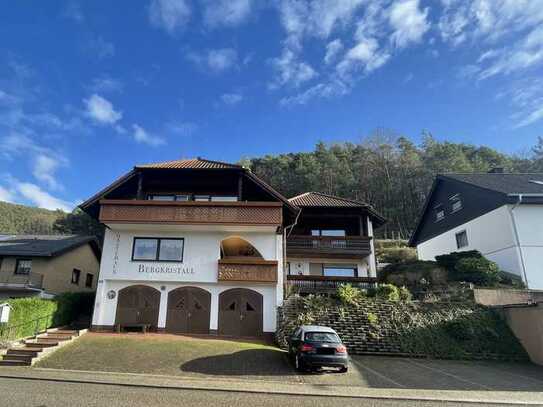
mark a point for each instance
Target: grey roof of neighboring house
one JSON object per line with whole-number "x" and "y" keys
{"x": 44, "y": 245}
{"x": 504, "y": 183}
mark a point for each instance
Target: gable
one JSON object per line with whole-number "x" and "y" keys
{"x": 445, "y": 191}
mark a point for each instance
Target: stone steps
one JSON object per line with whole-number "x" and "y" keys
{"x": 23, "y": 356}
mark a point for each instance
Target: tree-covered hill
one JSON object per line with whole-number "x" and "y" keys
{"x": 21, "y": 219}
{"x": 389, "y": 172}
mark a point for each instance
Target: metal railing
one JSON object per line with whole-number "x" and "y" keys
{"x": 325, "y": 284}
{"x": 27, "y": 328}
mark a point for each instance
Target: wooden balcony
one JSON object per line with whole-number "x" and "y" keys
{"x": 247, "y": 270}
{"x": 323, "y": 284}
{"x": 341, "y": 247}
{"x": 31, "y": 280}
{"x": 162, "y": 212}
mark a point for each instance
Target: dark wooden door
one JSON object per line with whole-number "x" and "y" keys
{"x": 240, "y": 312}
{"x": 138, "y": 304}
{"x": 189, "y": 310}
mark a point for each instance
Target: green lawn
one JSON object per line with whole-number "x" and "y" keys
{"x": 170, "y": 355}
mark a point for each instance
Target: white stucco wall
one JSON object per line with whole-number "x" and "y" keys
{"x": 529, "y": 221}
{"x": 493, "y": 235}
{"x": 198, "y": 269}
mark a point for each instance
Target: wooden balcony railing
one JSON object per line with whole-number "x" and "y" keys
{"x": 329, "y": 246}
{"x": 31, "y": 280}
{"x": 237, "y": 213}
{"x": 323, "y": 284}
{"x": 248, "y": 270}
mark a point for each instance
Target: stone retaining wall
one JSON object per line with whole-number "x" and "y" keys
{"x": 383, "y": 327}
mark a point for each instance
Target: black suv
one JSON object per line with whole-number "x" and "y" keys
{"x": 314, "y": 346}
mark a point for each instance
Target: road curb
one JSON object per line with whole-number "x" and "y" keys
{"x": 306, "y": 390}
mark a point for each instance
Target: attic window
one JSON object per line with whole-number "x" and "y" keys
{"x": 456, "y": 203}
{"x": 534, "y": 181}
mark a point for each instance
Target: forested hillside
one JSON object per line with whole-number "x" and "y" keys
{"x": 391, "y": 173}
{"x": 26, "y": 219}
{"x": 21, "y": 219}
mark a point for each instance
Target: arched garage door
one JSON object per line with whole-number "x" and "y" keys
{"x": 138, "y": 304}
{"x": 188, "y": 310}
{"x": 240, "y": 312}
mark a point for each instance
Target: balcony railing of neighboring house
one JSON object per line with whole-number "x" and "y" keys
{"x": 191, "y": 212}
{"x": 31, "y": 280}
{"x": 247, "y": 270}
{"x": 329, "y": 246}
{"x": 327, "y": 284}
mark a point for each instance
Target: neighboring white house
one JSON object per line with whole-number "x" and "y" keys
{"x": 498, "y": 214}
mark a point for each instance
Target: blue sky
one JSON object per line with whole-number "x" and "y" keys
{"x": 88, "y": 89}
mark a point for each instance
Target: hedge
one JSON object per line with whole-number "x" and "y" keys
{"x": 31, "y": 315}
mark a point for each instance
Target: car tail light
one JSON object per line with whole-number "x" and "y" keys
{"x": 307, "y": 348}
{"x": 341, "y": 349}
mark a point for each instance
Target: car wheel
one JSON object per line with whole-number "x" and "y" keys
{"x": 344, "y": 369}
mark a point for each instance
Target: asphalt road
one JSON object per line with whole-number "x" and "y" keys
{"x": 43, "y": 393}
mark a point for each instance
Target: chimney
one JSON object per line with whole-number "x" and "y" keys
{"x": 497, "y": 170}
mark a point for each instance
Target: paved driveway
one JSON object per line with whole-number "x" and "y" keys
{"x": 431, "y": 374}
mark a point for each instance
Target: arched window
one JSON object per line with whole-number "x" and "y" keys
{"x": 233, "y": 247}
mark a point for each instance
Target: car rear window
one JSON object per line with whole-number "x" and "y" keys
{"x": 321, "y": 337}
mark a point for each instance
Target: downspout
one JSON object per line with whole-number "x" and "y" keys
{"x": 515, "y": 230}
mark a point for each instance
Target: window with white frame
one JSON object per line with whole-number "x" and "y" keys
{"x": 23, "y": 266}
{"x": 158, "y": 249}
{"x": 456, "y": 203}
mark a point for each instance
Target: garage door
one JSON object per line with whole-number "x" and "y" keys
{"x": 188, "y": 310}
{"x": 240, "y": 312}
{"x": 138, "y": 304}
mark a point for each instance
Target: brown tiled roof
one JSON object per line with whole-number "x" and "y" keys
{"x": 192, "y": 163}
{"x": 319, "y": 199}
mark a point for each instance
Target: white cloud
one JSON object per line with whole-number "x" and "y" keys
{"x": 333, "y": 88}
{"x": 179, "y": 128}
{"x": 101, "y": 110}
{"x": 366, "y": 56}
{"x": 216, "y": 60}
{"x": 290, "y": 70}
{"x": 106, "y": 83}
{"x": 141, "y": 136}
{"x": 231, "y": 98}
{"x": 45, "y": 168}
{"x": 169, "y": 15}
{"x": 41, "y": 198}
{"x": 226, "y": 12}
{"x": 333, "y": 48}
{"x": 100, "y": 47}
{"x": 73, "y": 12}
{"x": 6, "y": 195}
{"x": 408, "y": 22}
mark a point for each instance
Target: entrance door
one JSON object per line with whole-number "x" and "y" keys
{"x": 240, "y": 312}
{"x": 138, "y": 304}
{"x": 188, "y": 310}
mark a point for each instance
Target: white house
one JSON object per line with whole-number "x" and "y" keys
{"x": 498, "y": 214}
{"x": 199, "y": 246}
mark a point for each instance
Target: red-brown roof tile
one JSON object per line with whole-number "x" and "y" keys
{"x": 193, "y": 164}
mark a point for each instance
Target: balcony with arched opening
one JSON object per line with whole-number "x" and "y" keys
{"x": 240, "y": 261}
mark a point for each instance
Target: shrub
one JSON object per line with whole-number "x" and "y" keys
{"x": 348, "y": 294}
{"x": 410, "y": 274}
{"x": 397, "y": 255}
{"x": 388, "y": 292}
{"x": 448, "y": 261}
{"x": 30, "y": 315}
{"x": 479, "y": 271}
{"x": 405, "y": 294}
{"x": 373, "y": 319}
{"x": 317, "y": 302}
